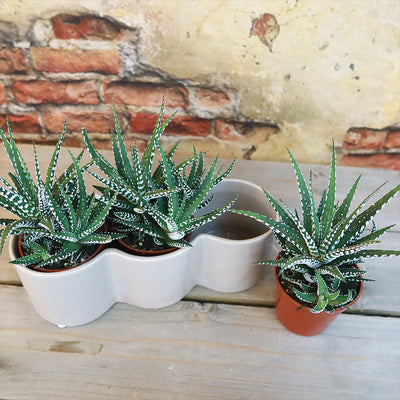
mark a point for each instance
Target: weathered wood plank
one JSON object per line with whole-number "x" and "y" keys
{"x": 382, "y": 296}
{"x": 276, "y": 177}
{"x": 196, "y": 351}
{"x": 279, "y": 180}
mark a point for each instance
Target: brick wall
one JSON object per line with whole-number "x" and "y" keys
{"x": 372, "y": 148}
{"x": 73, "y": 67}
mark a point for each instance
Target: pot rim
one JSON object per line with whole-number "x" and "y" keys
{"x": 256, "y": 238}
{"x": 149, "y": 253}
{"x": 44, "y": 270}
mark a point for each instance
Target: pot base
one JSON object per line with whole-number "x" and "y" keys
{"x": 298, "y": 318}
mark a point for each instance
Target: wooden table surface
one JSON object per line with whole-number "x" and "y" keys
{"x": 212, "y": 345}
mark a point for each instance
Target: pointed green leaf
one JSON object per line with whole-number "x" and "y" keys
{"x": 359, "y": 223}
{"x": 329, "y": 206}
{"x": 343, "y": 209}
{"x": 306, "y": 297}
{"x": 305, "y": 196}
{"x": 278, "y": 228}
{"x": 54, "y": 159}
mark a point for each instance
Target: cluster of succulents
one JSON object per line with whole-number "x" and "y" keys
{"x": 60, "y": 223}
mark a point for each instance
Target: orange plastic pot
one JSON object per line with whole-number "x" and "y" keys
{"x": 147, "y": 253}
{"x": 299, "y": 319}
{"x": 21, "y": 252}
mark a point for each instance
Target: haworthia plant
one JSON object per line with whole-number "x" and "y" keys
{"x": 319, "y": 254}
{"x": 158, "y": 201}
{"x": 58, "y": 220}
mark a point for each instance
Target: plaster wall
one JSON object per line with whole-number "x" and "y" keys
{"x": 319, "y": 69}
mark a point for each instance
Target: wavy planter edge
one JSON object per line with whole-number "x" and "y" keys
{"x": 82, "y": 294}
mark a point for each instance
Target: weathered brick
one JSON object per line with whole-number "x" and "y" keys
{"x": 21, "y": 123}
{"x": 145, "y": 94}
{"x": 364, "y": 138}
{"x": 392, "y": 140}
{"x": 12, "y": 61}
{"x": 66, "y": 26}
{"x": 70, "y": 140}
{"x": 381, "y": 160}
{"x": 76, "y": 60}
{"x": 180, "y": 125}
{"x": 38, "y": 92}
{"x": 37, "y": 139}
{"x": 92, "y": 121}
{"x": 3, "y": 94}
{"x": 228, "y": 131}
{"x": 211, "y": 99}
{"x": 266, "y": 28}
{"x": 73, "y": 140}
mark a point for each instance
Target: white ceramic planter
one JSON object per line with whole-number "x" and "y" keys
{"x": 222, "y": 258}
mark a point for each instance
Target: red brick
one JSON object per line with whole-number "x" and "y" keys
{"x": 70, "y": 140}
{"x": 212, "y": 99}
{"x": 227, "y": 131}
{"x": 73, "y": 140}
{"x": 77, "y": 60}
{"x": 92, "y": 121}
{"x": 21, "y": 123}
{"x": 381, "y": 160}
{"x": 392, "y": 140}
{"x": 38, "y": 92}
{"x": 363, "y": 138}
{"x": 67, "y": 26}
{"x": 38, "y": 139}
{"x": 145, "y": 94}
{"x": 12, "y": 61}
{"x": 3, "y": 94}
{"x": 180, "y": 125}
{"x": 266, "y": 28}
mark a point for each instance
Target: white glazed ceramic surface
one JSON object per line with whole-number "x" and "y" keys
{"x": 221, "y": 258}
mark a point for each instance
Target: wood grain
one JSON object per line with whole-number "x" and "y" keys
{"x": 193, "y": 351}
{"x": 214, "y": 346}
{"x": 279, "y": 179}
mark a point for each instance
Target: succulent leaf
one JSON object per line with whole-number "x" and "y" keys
{"x": 304, "y": 196}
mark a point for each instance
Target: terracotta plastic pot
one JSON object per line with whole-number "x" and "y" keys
{"x": 299, "y": 319}
{"x": 21, "y": 253}
{"x": 147, "y": 253}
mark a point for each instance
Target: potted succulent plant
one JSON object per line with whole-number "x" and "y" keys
{"x": 316, "y": 271}
{"x": 58, "y": 230}
{"x": 156, "y": 209}
{"x": 58, "y": 225}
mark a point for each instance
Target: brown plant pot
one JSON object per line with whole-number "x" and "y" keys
{"x": 147, "y": 253}
{"x": 298, "y": 318}
{"x": 21, "y": 252}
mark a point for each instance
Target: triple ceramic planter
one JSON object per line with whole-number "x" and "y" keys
{"x": 221, "y": 258}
